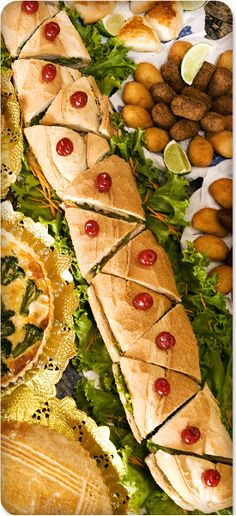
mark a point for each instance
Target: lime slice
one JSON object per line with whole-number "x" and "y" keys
{"x": 113, "y": 23}
{"x": 193, "y": 61}
{"x": 191, "y": 5}
{"x": 176, "y": 159}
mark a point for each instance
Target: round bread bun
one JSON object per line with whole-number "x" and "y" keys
{"x": 45, "y": 472}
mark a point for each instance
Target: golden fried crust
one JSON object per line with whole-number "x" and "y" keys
{"x": 138, "y": 35}
{"x": 194, "y": 93}
{"x": 213, "y": 122}
{"x": 203, "y": 77}
{"x": 206, "y": 221}
{"x": 187, "y": 107}
{"x": 212, "y": 246}
{"x": 171, "y": 75}
{"x": 184, "y": 129}
{"x": 220, "y": 82}
{"x": 222, "y": 191}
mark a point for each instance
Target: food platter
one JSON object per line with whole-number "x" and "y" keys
{"x": 116, "y": 258}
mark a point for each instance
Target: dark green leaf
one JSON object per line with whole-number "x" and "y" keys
{"x": 10, "y": 270}
{"x": 6, "y": 347}
{"x": 31, "y": 294}
{"x": 32, "y": 335}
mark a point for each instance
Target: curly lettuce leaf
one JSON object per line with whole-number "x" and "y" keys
{"x": 6, "y": 59}
{"x": 160, "y": 503}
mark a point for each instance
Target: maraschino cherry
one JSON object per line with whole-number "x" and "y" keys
{"x": 103, "y": 182}
{"x": 49, "y": 72}
{"x": 30, "y": 7}
{"x": 165, "y": 340}
{"x": 147, "y": 257}
{"x": 190, "y": 435}
{"x": 91, "y": 228}
{"x": 64, "y": 147}
{"x": 162, "y": 386}
{"x": 51, "y": 31}
{"x": 143, "y": 301}
{"x": 79, "y": 99}
{"x": 211, "y": 477}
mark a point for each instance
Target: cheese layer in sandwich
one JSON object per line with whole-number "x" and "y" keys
{"x": 182, "y": 357}
{"x": 45, "y": 472}
{"x": 141, "y": 7}
{"x": 137, "y": 34}
{"x": 202, "y": 412}
{"x": 127, "y": 323}
{"x": 166, "y": 19}
{"x": 122, "y": 199}
{"x": 149, "y": 409}
{"x": 158, "y": 277}
{"x": 67, "y": 44}
{"x": 184, "y": 474}
{"x": 89, "y": 118}
{"x": 18, "y": 26}
{"x": 61, "y": 171}
{"x": 34, "y": 93}
{"x": 90, "y": 11}
{"x": 91, "y": 251}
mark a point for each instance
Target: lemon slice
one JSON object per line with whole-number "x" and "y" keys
{"x": 113, "y": 23}
{"x": 193, "y": 61}
{"x": 191, "y": 5}
{"x": 176, "y": 159}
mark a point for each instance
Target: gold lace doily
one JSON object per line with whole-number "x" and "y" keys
{"x": 12, "y": 139}
{"x": 23, "y": 404}
{"x": 59, "y": 347}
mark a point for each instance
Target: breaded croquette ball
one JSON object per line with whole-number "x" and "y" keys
{"x": 225, "y": 217}
{"x": 189, "y": 108}
{"x": 203, "y": 77}
{"x": 225, "y": 60}
{"x": 163, "y": 116}
{"x": 162, "y": 92}
{"x": 229, "y": 122}
{"x": 222, "y": 143}
{"x": 184, "y": 129}
{"x": 200, "y": 152}
{"x": 220, "y": 82}
{"x": 178, "y": 51}
{"x": 222, "y": 191}
{"x": 136, "y": 116}
{"x": 213, "y": 122}
{"x": 147, "y": 74}
{"x": 136, "y": 94}
{"x": 171, "y": 75}
{"x": 156, "y": 139}
{"x": 223, "y": 105}
{"x": 190, "y": 91}
{"x": 212, "y": 246}
{"x": 206, "y": 221}
{"x": 225, "y": 278}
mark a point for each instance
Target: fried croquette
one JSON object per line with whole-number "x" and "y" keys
{"x": 136, "y": 94}
{"x": 222, "y": 191}
{"x": 147, "y": 74}
{"x": 206, "y": 221}
{"x": 156, "y": 139}
{"x": 190, "y": 91}
{"x": 203, "y": 77}
{"x": 178, "y": 51}
{"x": 213, "y": 122}
{"x": 200, "y": 152}
{"x": 212, "y": 246}
{"x": 225, "y": 278}
{"x": 225, "y": 217}
{"x": 136, "y": 116}
{"x": 222, "y": 143}
{"x": 225, "y": 60}
{"x": 223, "y": 105}
{"x": 229, "y": 122}
{"x": 189, "y": 108}
{"x": 220, "y": 82}
{"x": 163, "y": 116}
{"x": 184, "y": 129}
{"x": 171, "y": 75}
{"x": 162, "y": 92}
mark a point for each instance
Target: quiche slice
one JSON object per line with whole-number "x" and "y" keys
{"x": 27, "y": 308}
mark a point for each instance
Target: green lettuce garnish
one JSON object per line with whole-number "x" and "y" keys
{"x": 6, "y": 59}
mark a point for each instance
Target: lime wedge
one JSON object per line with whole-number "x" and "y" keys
{"x": 191, "y": 5}
{"x": 193, "y": 61}
{"x": 113, "y": 23}
{"x": 176, "y": 159}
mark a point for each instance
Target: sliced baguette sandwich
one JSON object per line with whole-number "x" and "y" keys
{"x": 18, "y": 25}
{"x": 145, "y": 408}
{"x": 184, "y": 478}
{"x": 67, "y": 44}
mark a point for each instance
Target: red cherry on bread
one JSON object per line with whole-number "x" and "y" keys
{"x": 51, "y": 31}
{"x": 79, "y": 99}
{"x": 64, "y": 147}
{"x": 162, "y": 386}
{"x": 143, "y": 301}
{"x": 147, "y": 257}
{"x": 49, "y": 72}
{"x": 190, "y": 435}
{"x": 30, "y": 7}
{"x": 91, "y": 228}
{"x": 165, "y": 340}
{"x": 211, "y": 477}
{"x": 103, "y": 182}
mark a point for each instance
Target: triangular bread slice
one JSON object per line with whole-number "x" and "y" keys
{"x": 183, "y": 357}
{"x": 36, "y": 95}
{"x": 127, "y": 322}
{"x": 17, "y": 25}
{"x": 158, "y": 277}
{"x": 91, "y": 251}
{"x": 91, "y": 12}
{"x": 67, "y": 46}
{"x": 97, "y": 148}
{"x": 149, "y": 409}
{"x": 89, "y": 118}
{"x": 123, "y": 199}
{"x": 204, "y": 413}
{"x": 184, "y": 473}
{"x": 138, "y": 35}
{"x": 60, "y": 171}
